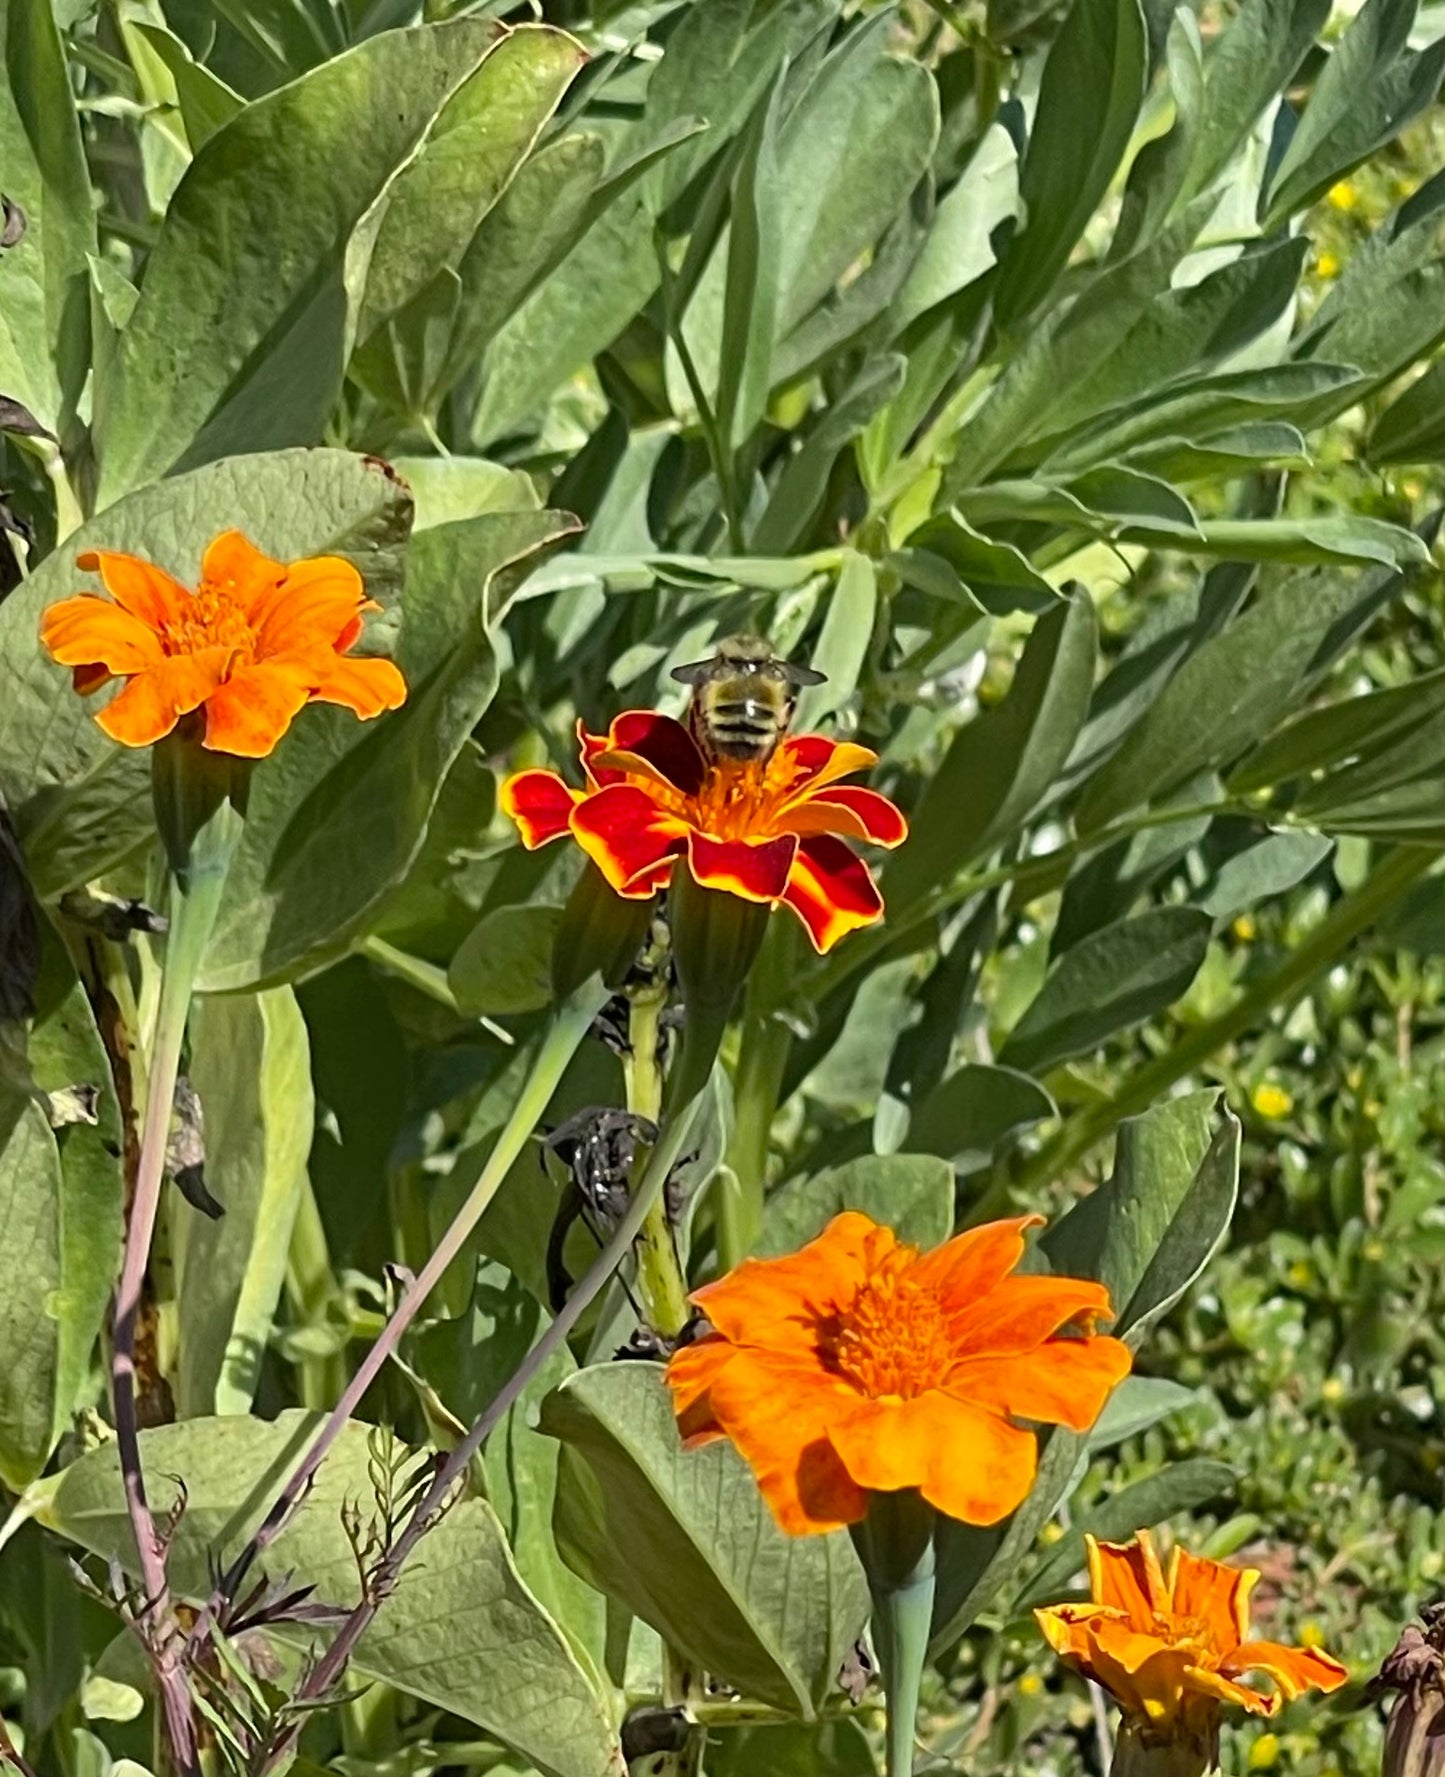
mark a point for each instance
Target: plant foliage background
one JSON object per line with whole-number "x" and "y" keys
{"x": 1061, "y": 383}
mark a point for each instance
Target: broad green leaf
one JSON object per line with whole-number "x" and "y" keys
{"x": 994, "y": 572}
{"x": 685, "y": 1541}
{"x": 1262, "y": 870}
{"x": 1237, "y": 450}
{"x": 1355, "y": 727}
{"x": 1110, "y": 980}
{"x": 968, "y": 1115}
{"x": 449, "y": 488}
{"x": 504, "y": 965}
{"x": 65, "y": 783}
{"x": 958, "y": 247}
{"x": 1370, "y": 88}
{"x": 336, "y": 815}
{"x": 1146, "y": 1234}
{"x": 1178, "y": 1487}
{"x": 1231, "y": 690}
{"x": 44, "y": 276}
{"x": 1412, "y": 428}
{"x": 205, "y": 101}
{"x": 1092, "y": 88}
{"x": 251, "y": 1065}
{"x": 462, "y": 1632}
{"x": 475, "y": 144}
{"x": 1000, "y": 766}
{"x": 1136, "y": 1404}
{"x": 230, "y": 349}
{"x": 910, "y": 1193}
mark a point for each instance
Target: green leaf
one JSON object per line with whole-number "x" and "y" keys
{"x": 1412, "y": 427}
{"x": 1178, "y": 1487}
{"x": 958, "y": 247}
{"x": 843, "y": 642}
{"x": 968, "y": 1116}
{"x": 1370, "y": 88}
{"x": 1230, "y": 691}
{"x": 751, "y": 287}
{"x": 251, "y": 1065}
{"x": 1354, "y": 727}
{"x": 205, "y": 101}
{"x": 1136, "y": 1404}
{"x": 791, "y": 1749}
{"x": 994, "y": 571}
{"x": 63, "y": 780}
{"x": 1275, "y": 863}
{"x": 450, "y": 488}
{"x": 337, "y": 814}
{"x": 685, "y": 1541}
{"x": 504, "y": 964}
{"x": 910, "y": 1193}
{"x": 501, "y": 1662}
{"x": 1110, "y": 980}
{"x": 1001, "y": 765}
{"x": 1092, "y": 88}
{"x": 231, "y": 349}
{"x": 44, "y": 276}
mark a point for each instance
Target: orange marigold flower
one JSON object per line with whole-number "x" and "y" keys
{"x": 860, "y": 1365}
{"x": 770, "y": 831}
{"x": 1171, "y": 1646}
{"x": 255, "y": 641}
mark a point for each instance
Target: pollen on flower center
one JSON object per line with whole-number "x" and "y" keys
{"x": 209, "y": 619}
{"x": 738, "y": 798}
{"x": 891, "y": 1340}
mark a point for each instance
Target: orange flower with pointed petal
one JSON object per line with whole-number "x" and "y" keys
{"x": 1172, "y": 1645}
{"x": 770, "y": 831}
{"x": 861, "y": 1365}
{"x": 255, "y": 641}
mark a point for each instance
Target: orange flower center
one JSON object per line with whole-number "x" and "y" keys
{"x": 892, "y": 1338}
{"x": 739, "y": 799}
{"x": 209, "y": 618}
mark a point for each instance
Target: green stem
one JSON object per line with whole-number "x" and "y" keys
{"x": 69, "y": 513}
{"x": 895, "y": 1545}
{"x": 762, "y": 1062}
{"x": 660, "y": 1281}
{"x": 1349, "y": 917}
{"x": 311, "y": 1287}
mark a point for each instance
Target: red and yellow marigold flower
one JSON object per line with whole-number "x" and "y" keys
{"x": 860, "y": 1365}
{"x": 771, "y": 831}
{"x": 1172, "y": 1644}
{"x": 249, "y": 647}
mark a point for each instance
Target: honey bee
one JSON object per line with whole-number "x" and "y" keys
{"x": 743, "y": 699}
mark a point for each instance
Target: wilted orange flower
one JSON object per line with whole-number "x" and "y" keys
{"x": 860, "y": 1365}
{"x": 254, "y": 642}
{"x": 1172, "y": 1646}
{"x": 771, "y": 831}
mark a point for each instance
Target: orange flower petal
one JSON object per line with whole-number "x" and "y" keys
{"x": 367, "y": 686}
{"x": 249, "y": 713}
{"x": 968, "y": 1463}
{"x": 1215, "y": 1593}
{"x": 89, "y": 631}
{"x": 85, "y": 679}
{"x": 1061, "y": 1382}
{"x": 1294, "y": 1669}
{"x": 831, "y": 891}
{"x": 777, "y": 1410}
{"x": 691, "y": 1372}
{"x": 754, "y": 869}
{"x": 314, "y": 603}
{"x": 1205, "y": 1682}
{"x": 808, "y": 761}
{"x": 779, "y": 1302}
{"x": 663, "y": 744}
{"x": 1022, "y": 1312}
{"x": 540, "y": 803}
{"x": 973, "y": 1263}
{"x": 153, "y": 701}
{"x": 849, "y": 809}
{"x": 627, "y": 836}
{"x": 137, "y": 586}
{"x": 234, "y": 565}
{"x": 1127, "y": 1577}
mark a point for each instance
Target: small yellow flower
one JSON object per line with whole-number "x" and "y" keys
{"x": 1270, "y": 1101}
{"x": 1030, "y": 1685}
{"x": 1301, "y": 1274}
{"x": 1244, "y": 928}
{"x": 1412, "y": 487}
{"x": 1343, "y": 196}
{"x": 1332, "y": 1390}
{"x": 1327, "y": 265}
{"x": 1264, "y": 1754}
{"x": 1311, "y": 1635}
{"x": 1051, "y": 1533}
{"x": 1373, "y": 1251}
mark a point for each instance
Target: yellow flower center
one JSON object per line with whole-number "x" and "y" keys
{"x": 209, "y": 618}
{"x": 892, "y": 1338}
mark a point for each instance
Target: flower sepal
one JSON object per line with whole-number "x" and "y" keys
{"x": 601, "y": 933}
{"x": 895, "y": 1543}
{"x": 1185, "y": 1750}
{"x": 200, "y": 800}
{"x": 716, "y": 937}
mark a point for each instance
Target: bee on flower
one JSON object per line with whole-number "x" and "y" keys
{"x": 750, "y": 808}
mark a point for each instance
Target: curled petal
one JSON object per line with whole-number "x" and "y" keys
{"x": 91, "y": 632}
{"x": 1024, "y": 1311}
{"x": 849, "y": 809}
{"x": 365, "y": 686}
{"x": 541, "y": 805}
{"x": 1061, "y": 1382}
{"x": 253, "y": 708}
{"x": 1215, "y": 1593}
{"x": 663, "y": 744}
{"x": 831, "y": 891}
{"x": 153, "y": 701}
{"x": 1205, "y": 1681}
{"x": 808, "y": 761}
{"x": 627, "y": 836}
{"x": 1127, "y": 1577}
{"x": 1294, "y": 1669}
{"x": 970, "y": 1464}
{"x": 755, "y": 869}
{"x": 137, "y": 586}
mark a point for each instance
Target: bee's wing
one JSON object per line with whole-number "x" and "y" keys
{"x": 806, "y": 675}
{"x": 694, "y": 673}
